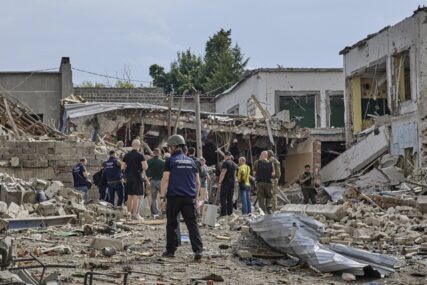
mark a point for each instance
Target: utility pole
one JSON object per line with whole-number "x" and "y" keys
{"x": 170, "y": 114}
{"x": 198, "y": 124}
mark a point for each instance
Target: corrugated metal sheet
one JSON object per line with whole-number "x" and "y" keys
{"x": 298, "y": 236}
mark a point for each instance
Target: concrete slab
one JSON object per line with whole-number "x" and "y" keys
{"x": 356, "y": 157}
{"x": 394, "y": 174}
{"x": 335, "y": 212}
{"x": 371, "y": 180}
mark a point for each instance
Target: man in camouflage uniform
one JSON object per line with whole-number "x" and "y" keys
{"x": 275, "y": 180}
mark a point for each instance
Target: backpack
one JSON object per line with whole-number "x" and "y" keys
{"x": 97, "y": 177}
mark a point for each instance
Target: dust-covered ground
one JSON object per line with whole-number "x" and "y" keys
{"x": 145, "y": 243}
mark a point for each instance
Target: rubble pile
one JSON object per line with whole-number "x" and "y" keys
{"x": 367, "y": 226}
{"x": 39, "y": 198}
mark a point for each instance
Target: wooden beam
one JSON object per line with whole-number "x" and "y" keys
{"x": 11, "y": 120}
{"x": 179, "y": 111}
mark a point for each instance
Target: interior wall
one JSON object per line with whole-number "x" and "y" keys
{"x": 296, "y": 158}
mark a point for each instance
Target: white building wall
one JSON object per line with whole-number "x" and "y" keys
{"x": 409, "y": 34}
{"x": 390, "y": 41}
{"x": 265, "y": 84}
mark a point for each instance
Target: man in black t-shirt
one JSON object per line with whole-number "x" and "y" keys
{"x": 226, "y": 183}
{"x": 134, "y": 164}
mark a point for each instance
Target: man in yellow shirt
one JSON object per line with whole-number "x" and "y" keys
{"x": 243, "y": 175}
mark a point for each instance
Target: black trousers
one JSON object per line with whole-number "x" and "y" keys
{"x": 226, "y": 198}
{"x": 187, "y": 207}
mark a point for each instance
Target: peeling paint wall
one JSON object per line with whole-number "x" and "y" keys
{"x": 404, "y": 135}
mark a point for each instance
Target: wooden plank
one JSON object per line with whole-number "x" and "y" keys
{"x": 11, "y": 120}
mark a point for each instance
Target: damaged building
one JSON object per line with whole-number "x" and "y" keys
{"x": 243, "y": 136}
{"x": 386, "y": 84}
{"x": 311, "y": 97}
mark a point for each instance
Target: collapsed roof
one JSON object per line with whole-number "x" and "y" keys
{"x": 158, "y": 115}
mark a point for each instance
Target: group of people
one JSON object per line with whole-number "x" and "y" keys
{"x": 265, "y": 176}
{"x": 266, "y": 172}
{"x": 123, "y": 178}
{"x": 178, "y": 184}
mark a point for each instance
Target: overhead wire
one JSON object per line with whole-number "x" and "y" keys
{"x": 108, "y": 76}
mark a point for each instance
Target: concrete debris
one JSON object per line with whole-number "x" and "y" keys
{"x": 335, "y": 212}
{"x": 356, "y": 157}
{"x": 394, "y": 174}
{"x": 388, "y": 160}
{"x": 53, "y": 188}
{"x": 348, "y": 277}
{"x": 422, "y": 204}
{"x": 244, "y": 253}
{"x": 372, "y": 180}
{"x": 101, "y": 242}
{"x": 336, "y": 193}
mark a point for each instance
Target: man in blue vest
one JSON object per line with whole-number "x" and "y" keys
{"x": 113, "y": 173}
{"x": 180, "y": 184}
{"x": 80, "y": 175}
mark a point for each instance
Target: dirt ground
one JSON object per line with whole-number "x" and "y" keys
{"x": 145, "y": 244}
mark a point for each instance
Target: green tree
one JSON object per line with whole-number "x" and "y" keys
{"x": 224, "y": 64}
{"x": 184, "y": 73}
{"x": 161, "y": 79}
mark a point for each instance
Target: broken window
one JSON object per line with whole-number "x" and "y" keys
{"x": 369, "y": 96}
{"x": 336, "y": 107}
{"x": 402, "y": 76}
{"x": 233, "y": 110}
{"x": 37, "y": 116}
{"x": 251, "y": 108}
{"x": 302, "y": 108}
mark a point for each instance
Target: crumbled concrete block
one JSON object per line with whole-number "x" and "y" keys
{"x": 74, "y": 207}
{"x": 53, "y": 188}
{"x": 100, "y": 242}
{"x": 243, "y": 253}
{"x": 14, "y": 161}
{"x": 22, "y": 214}
{"x": 13, "y": 209}
{"x": 335, "y": 212}
{"x": 422, "y": 203}
{"x": 404, "y": 219}
{"x": 69, "y": 194}
{"x": 60, "y": 211}
{"x": 39, "y": 184}
{"x": 28, "y": 196}
{"x": 348, "y": 277}
{"x": 245, "y": 230}
{"x": 3, "y": 207}
{"x": 47, "y": 208}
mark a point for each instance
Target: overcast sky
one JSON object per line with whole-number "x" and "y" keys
{"x": 102, "y": 36}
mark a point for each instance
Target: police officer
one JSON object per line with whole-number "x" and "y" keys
{"x": 113, "y": 173}
{"x": 180, "y": 184}
{"x": 80, "y": 176}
